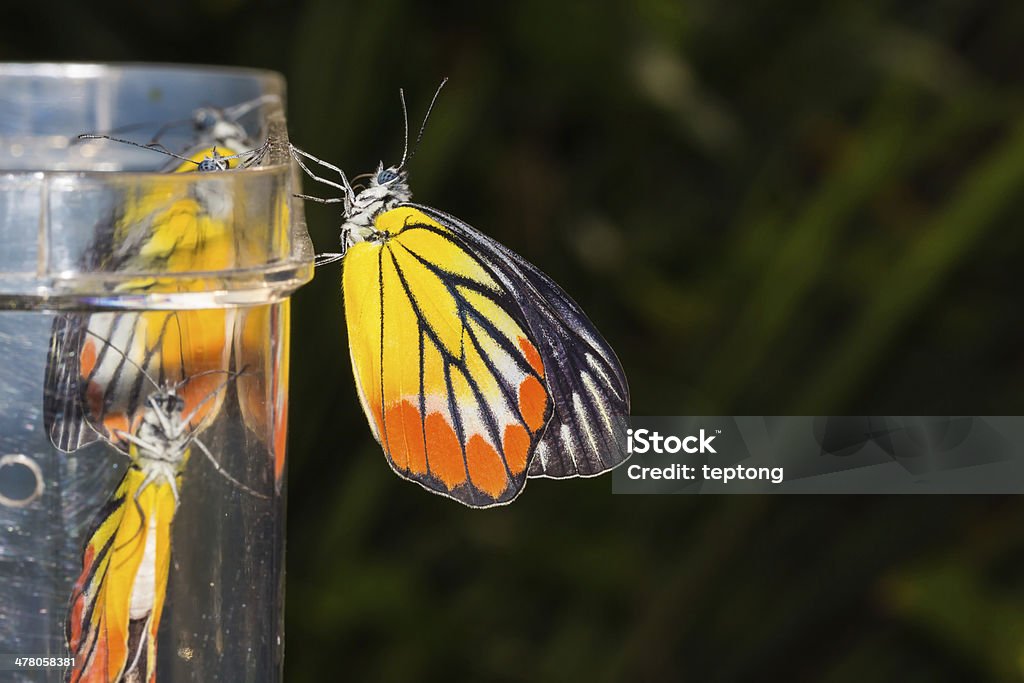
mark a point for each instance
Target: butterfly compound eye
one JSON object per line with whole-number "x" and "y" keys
{"x": 386, "y": 176}
{"x": 204, "y": 119}
{"x": 209, "y": 164}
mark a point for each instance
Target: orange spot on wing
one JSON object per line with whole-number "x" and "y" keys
{"x": 532, "y": 355}
{"x": 94, "y": 398}
{"x": 533, "y": 402}
{"x": 516, "y": 444}
{"x": 101, "y": 657}
{"x": 115, "y": 423}
{"x": 405, "y": 438}
{"x": 202, "y": 396}
{"x": 485, "y": 468}
{"x": 87, "y": 361}
{"x": 75, "y": 620}
{"x": 443, "y": 451}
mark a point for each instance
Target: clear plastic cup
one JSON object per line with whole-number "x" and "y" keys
{"x": 121, "y": 283}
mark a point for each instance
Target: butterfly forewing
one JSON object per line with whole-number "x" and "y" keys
{"x": 449, "y": 378}
{"x": 63, "y": 409}
{"x": 585, "y": 381}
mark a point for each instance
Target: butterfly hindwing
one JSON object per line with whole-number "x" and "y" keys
{"x": 587, "y": 385}
{"x": 448, "y": 376}
{"x": 63, "y": 413}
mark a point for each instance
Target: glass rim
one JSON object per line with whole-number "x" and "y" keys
{"x": 87, "y": 69}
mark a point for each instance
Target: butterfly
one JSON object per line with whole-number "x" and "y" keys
{"x": 209, "y": 126}
{"x": 474, "y": 369}
{"x": 221, "y": 126}
{"x": 160, "y": 229}
{"x": 91, "y": 390}
{"x": 117, "y": 601}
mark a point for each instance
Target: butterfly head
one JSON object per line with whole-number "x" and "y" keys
{"x": 213, "y": 162}
{"x": 211, "y": 125}
{"x": 388, "y": 187}
{"x": 218, "y": 126}
{"x": 163, "y": 433}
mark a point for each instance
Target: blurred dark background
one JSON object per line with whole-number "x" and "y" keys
{"x": 776, "y": 207}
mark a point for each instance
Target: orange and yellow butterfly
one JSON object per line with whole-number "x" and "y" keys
{"x": 475, "y": 370}
{"x": 160, "y": 227}
{"x": 169, "y": 228}
{"x": 118, "y": 599}
{"x": 164, "y": 230}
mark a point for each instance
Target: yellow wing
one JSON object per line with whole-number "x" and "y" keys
{"x": 262, "y": 346}
{"x": 118, "y": 599}
{"x": 451, "y": 382}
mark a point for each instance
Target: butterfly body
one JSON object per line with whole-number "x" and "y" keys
{"x": 387, "y": 189}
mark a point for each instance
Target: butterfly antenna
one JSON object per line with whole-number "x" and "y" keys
{"x": 127, "y": 128}
{"x": 423, "y": 126}
{"x": 405, "y": 120}
{"x": 239, "y": 110}
{"x": 181, "y": 347}
{"x": 154, "y": 146}
{"x": 230, "y": 376}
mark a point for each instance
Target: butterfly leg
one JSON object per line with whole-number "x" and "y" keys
{"x": 332, "y": 200}
{"x": 224, "y": 473}
{"x": 324, "y": 259}
{"x": 345, "y": 187}
{"x": 239, "y": 110}
{"x": 141, "y": 443}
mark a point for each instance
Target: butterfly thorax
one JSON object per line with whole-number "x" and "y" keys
{"x": 211, "y": 126}
{"x": 165, "y": 434}
{"x": 388, "y": 188}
